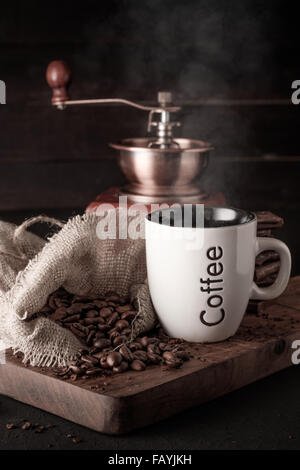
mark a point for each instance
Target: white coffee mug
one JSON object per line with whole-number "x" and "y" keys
{"x": 200, "y": 274}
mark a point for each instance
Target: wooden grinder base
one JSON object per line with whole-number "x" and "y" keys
{"x": 131, "y": 400}
{"x": 111, "y": 196}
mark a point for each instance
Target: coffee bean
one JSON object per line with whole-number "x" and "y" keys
{"x": 51, "y": 302}
{"x": 72, "y": 318}
{"x": 90, "y": 359}
{"x": 61, "y": 303}
{"x": 119, "y": 340}
{"x": 90, "y": 321}
{"x": 74, "y": 363}
{"x": 162, "y": 335}
{"x": 81, "y": 328}
{"x": 94, "y": 371}
{"x": 76, "y": 370}
{"x": 129, "y": 315}
{"x": 140, "y": 355}
{"x": 81, "y": 298}
{"x": 113, "y": 298}
{"x": 103, "y": 362}
{"x": 60, "y": 372}
{"x": 100, "y": 320}
{"x": 164, "y": 346}
{"x": 106, "y": 350}
{"x": 100, "y": 303}
{"x": 168, "y": 356}
{"x": 100, "y": 334}
{"x": 39, "y": 429}
{"x": 113, "y": 333}
{"x": 102, "y": 327}
{"x": 174, "y": 340}
{"x": 153, "y": 348}
{"x": 92, "y": 314}
{"x": 174, "y": 363}
{"x": 144, "y": 341}
{"x": 99, "y": 355}
{"x": 122, "y": 367}
{"x": 134, "y": 345}
{"x": 27, "y": 425}
{"x": 114, "y": 359}
{"x": 126, "y": 353}
{"x": 101, "y": 343}
{"x": 88, "y": 306}
{"x": 171, "y": 360}
{"x": 59, "y": 314}
{"x": 75, "y": 308}
{"x": 141, "y": 343}
{"x": 123, "y": 308}
{"x": 10, "y": 426}
{"x": 183, "y": 355}
{"x": 153, "y": 340}
{"x": 77, "y": 332}
{"x": 112, "y": 319}
{"x": 154, "y": 358}
{"x": 106, "y": 312}
{"x": 126, "y": 331}
{"x": 76, "y": 440}
{"x": 90, "y": 337}
{"x": 137, "y": 365}
{"x": 121, "y": 324}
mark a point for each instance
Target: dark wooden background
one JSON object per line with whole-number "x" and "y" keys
{"x": 227, "y": 50}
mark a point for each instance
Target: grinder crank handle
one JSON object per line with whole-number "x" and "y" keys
{"x": 58, "y": 76}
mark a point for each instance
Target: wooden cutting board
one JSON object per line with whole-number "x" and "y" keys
{"x": 119, "y": 404}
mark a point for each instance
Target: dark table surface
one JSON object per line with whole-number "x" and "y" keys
{"x": 263, "y": 415}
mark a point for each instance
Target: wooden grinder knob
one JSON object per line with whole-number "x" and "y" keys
{"x": 58, "y": 77}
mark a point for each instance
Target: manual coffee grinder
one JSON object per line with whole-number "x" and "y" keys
{"x": 159, "y": 169}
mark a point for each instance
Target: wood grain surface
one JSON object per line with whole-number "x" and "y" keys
{"x": 121, "y": 403}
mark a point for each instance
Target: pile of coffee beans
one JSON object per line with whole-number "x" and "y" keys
{"x": 104, "y": 326}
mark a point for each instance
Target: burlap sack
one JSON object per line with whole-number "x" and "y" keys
{"x": 80, "y": 259}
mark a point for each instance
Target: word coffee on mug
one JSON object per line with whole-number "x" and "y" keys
{"x": 213, "y": 286}
{"x": 201, "y": 269}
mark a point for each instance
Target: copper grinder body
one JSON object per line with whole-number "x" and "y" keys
{"x": 157, "y": 175}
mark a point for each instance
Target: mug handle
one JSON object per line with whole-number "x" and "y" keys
{"x": 270, "y": 292}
